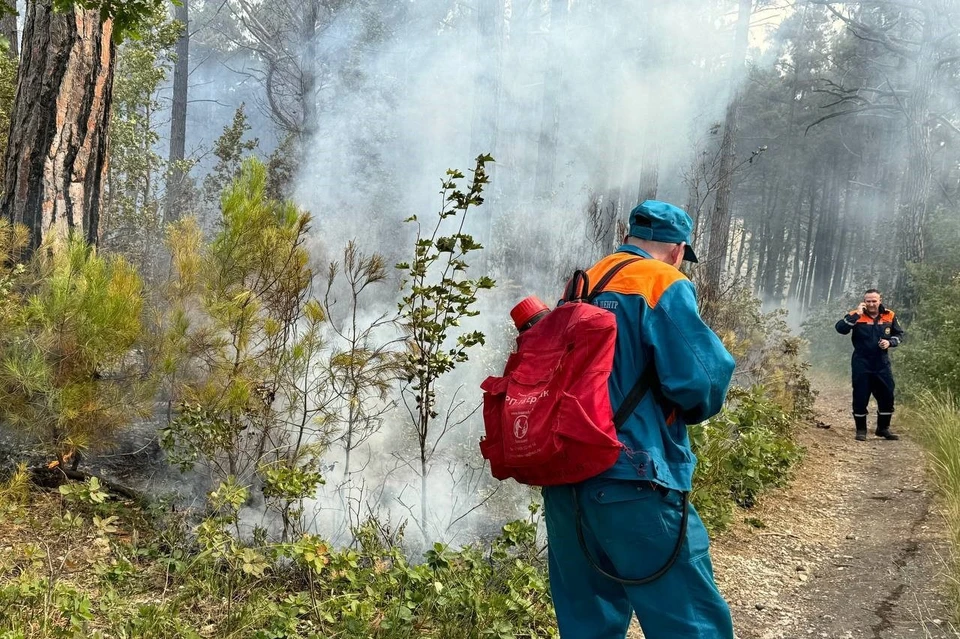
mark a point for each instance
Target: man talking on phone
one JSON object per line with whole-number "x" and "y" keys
{"x": 875, "y": 331}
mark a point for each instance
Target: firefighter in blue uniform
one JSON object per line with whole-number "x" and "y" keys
{"x": 626, "y": 541}
{"x": 875, "y": 331}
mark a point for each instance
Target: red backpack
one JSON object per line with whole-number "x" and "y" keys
{"x": 548, "y": 419}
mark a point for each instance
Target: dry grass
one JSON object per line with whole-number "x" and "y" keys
{"x": 936, "y": 419}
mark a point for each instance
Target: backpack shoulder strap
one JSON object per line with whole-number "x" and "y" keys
{"x": 609, "y": 275}
{"x": 646, "y": 381}
{"x": 578, "y": 288}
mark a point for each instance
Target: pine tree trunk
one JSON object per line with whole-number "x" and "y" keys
{"x": 484, "y": 129}
{"x": 550, "y": 113}
{"x": 56, "y": 161}
{"x": 649, "y": 170}
{"x": 308, "y": 73}
{"x": 773, "y": 247}
{"x": 801, "y": 253}
{"x": 515, "y": 147}
{"x": 918, "y": 169}
{"x": 809, "y": 255}
{"x": 720, "y": 219}
{"x": 824, "y": 240}
{"x": 840, "y": 257}
{"x": 8, "y": 29}
{"x": 741, "y": 234}
{"x": 751, "y": 280}
{"x": 178, "y": 117}
{"x": 783, "y": 266}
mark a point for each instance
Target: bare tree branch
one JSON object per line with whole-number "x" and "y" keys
{"x": 873, "y": 107}
{"x": 871, "y": 34}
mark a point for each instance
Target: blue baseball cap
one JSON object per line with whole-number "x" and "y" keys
{"x": 661, "y": 222}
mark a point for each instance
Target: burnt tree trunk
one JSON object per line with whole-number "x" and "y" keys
{"x": 56, "y": 160}
{"x": 178, "y": 117}
{"x": 720, "y": 218}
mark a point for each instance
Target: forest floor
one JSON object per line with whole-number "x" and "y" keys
{"x": 853, "y": 548}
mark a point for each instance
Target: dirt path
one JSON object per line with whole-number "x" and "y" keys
{"x": 850, "y": 550}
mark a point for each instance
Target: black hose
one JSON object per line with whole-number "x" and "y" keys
{"x": 678, "y": 547}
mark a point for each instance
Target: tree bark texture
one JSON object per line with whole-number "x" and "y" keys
{"x": 56, "y": 161}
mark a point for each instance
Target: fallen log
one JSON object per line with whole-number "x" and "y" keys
{"x": 56, "y": 476}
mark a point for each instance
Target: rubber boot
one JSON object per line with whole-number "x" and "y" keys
{"x": 861, "y": 421}
{"x": 883, "y": 427}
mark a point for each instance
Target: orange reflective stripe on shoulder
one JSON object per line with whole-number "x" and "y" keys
{"x": 885, "y": 318}
{"x": 647, "y": 278}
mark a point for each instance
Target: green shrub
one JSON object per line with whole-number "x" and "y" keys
{"x": 438, "y": 296}
{"x": 932, "y": 346}
{"x": 134, "y": 575}
{"x": 70, "y": 321}
{"x": 764, "y": 347}
{"x": 746, "y": 449}
{"x": 239, "y": 339}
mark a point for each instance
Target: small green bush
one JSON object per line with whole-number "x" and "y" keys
{"x": 746, "y": 449}
{"x": 121, "y": 584}
{"x": 932, "y": 347}
{"x": 238, "y": 340}
{"x": 71, "y": 320}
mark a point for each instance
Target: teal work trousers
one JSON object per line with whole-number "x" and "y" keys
{"x": 630, "y": 529}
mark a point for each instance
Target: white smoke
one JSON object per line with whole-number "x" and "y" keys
{"x": 625, "y": 85}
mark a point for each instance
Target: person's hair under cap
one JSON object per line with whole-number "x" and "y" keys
{"x": 662, "y": 222}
